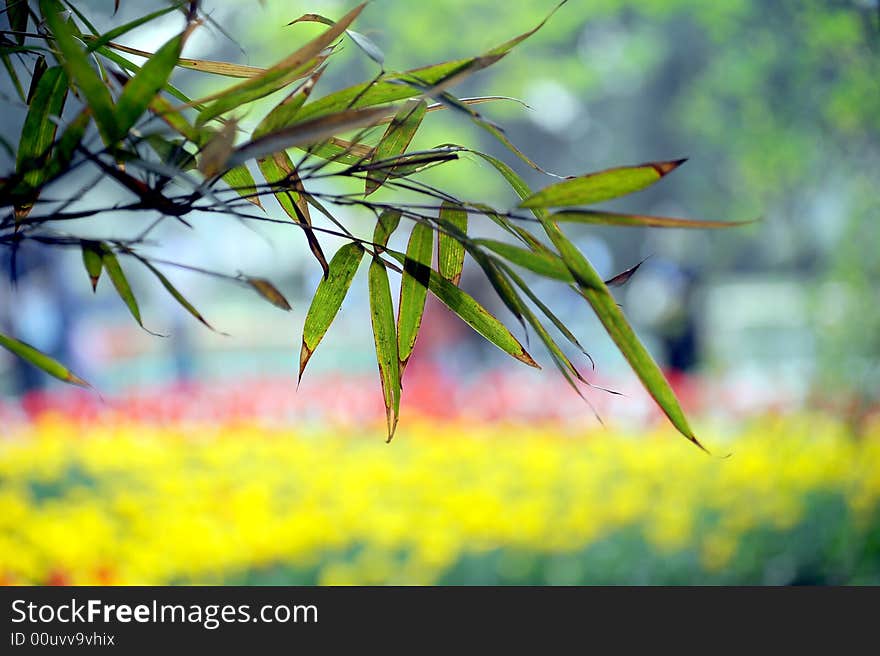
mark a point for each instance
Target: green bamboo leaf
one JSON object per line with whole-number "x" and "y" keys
{"x": 279, "y": 171}
{"x": 395, "y": 141}
{"x": 363, "y": 42}
{"x": 507, "y": 46}
{"x": 268, "y": 291}
{"x": 120, "y": 282}
{"x": 38, "y": 131}
{"x": 67, "y": 144}
{"x": 41, "y": 360}
{"x": 140, "y": 90}
{"x": 96, "y": 42}
{"x": 385, "y": 337}
{"x": 328, "y": 299}
{"x": 450, "y": 251}
{"x": 385, "y": 225}
{"x": 601, "y": 186}
{"x": 597, "y": 294}
{"x": 295, "y": 66}
{"x": 638, "y": 220}
{"x": 283, "y": 114}
{"x": 92, "y": 255}
{"x": 414, "y": 283}
{"x": 593, "y": 288}
{"x": 467, "y": 308}
{"x": 180, "y": 298}
{"x": 544, "y": 262}
{"x": 75, "y": 62}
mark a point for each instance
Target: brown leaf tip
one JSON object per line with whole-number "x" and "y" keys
{"x": 664, "y": 168}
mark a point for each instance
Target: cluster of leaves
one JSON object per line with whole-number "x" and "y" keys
{"x": 133, "y": 126}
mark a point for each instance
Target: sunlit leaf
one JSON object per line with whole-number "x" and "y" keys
{"x": 601, "y": 186}
{"x": 41, "y": 360}
{"x": 545, "y": 262}
{"x": 328, "y": 299}
{"x": 363, "y": 42}
{"x": 226, "y": 69}
{"x": 294, "y": 66}
{"x": 385, "y": 337}
{"x": 467, "y": 308}
{"x": 414, "y": 283}
{"x": 283, "y": 113}
{"x": 395, "y": 141}
{"x": 450, "y": 251}
{"x": 385, "y": 225}
{"x": 637, "y": 220}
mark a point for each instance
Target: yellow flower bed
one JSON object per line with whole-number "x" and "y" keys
{"x": 140, "y": 504}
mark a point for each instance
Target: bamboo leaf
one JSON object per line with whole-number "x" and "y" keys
{"x": 601, "y": 186}
{"x": 507, "y": 46}
{"x": 395, "y": 141}
{"x": 413, "y": 290}
{"x": 284, "y": 112}
{"x": 545, "y": 263}
{"x": 39, "y": 359}
{"x": 217, "y": 149}
{"x": 140, "y": 90}
{"x": 467, "y": 308}
{"x": 38, "y": 131}
{"x": 226, "y": 69}
{"x": 292, "y": 67}
{"x": 95, "y": 92}
{"x": 120, "y": 282}
{"x": 624, "y": 276}
{"x": 364, "y": 43}
{"x": 385, "y": 337}
{"x": 105, "y": 39}
{"x": 279, "y": 172}
{"x": 92, "y": 255}
{"x": 638, "y": 220}
{"x": 450, "y": 251}
{"x": 268, "y": 291}
{"x": 328, "y": 299}
{"x": 17, "y": 12}
{"x": 176, "y": 294}
{"x": 385, "y": 225}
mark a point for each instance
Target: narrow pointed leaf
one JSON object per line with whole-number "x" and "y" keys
{"x": 105, "y": 39}
{"x": 638, "y": 220}
{"x": 328, "y": 299}
{"x": 601, "y": 186}
{"x": 269, "y": 292}
{"x": 385, "y": 337}
{"x": 283, "y": 114}
{"x": 226, "y": 69}
{"x": 296, "y": 65}
{"x": 414, "y": 290}
{"x": 92, "y": 260}
{"x": 140, "y": 90}
{"x": 38, "y": 131}
{"x": 386, "y": 224}
{"x": 508, "y": 45}
{"x": 180, "y": 298}
{"x": 39, "y": 359}
{"x": 17, "y": 12}
{"x": 120, "y": 282}
{"x": 395, "y": 141}
{"x": 450, "y": 251}
{"x": 624, "y": 276}
{"x": 471, "y": 312}
{"x": 544, "y": 263}
{"x": 96, "y": 93}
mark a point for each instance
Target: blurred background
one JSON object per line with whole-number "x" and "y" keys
{"x": 201, "y": 462}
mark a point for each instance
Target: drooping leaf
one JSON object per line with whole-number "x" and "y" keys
{"x": 637, "y": 220}
{"x": 92, "y": 255}
{"x": 414, "y": 283}
{"x": 268, "y": 291}
{"x": 450, "y": 251}
{"x": 95, "y": 92}
{"x": 385, "y": 225}
{"x": 395, "y": 141}
{"x": 41, "y": 360}
{"x": 510, "y": 44}
{"x": 467, "y": 308}
{"x": 385, "y": 337}
{"x": 279, "y": 171}
{"x": 140, "y": 90}
{"x": 593, "y": 288}
{"x": 240, "y": 179}
{"x": 328, "y": 299}
{"x": 180, "y": 298}
{"x": 601, "y": 186}
{"x": 120, "y": 282}
{"x": 544, "y": 262}
{"x": 217, "y": 150}
{"x": 363, "y": 42}
{"x": 294, "y": 66}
